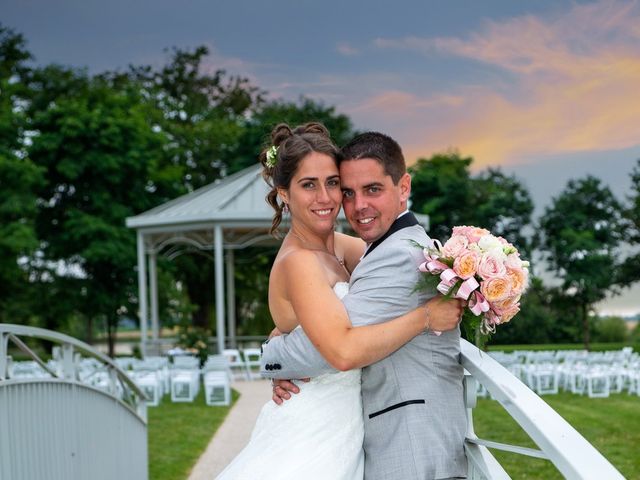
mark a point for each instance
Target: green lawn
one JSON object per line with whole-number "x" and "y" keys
{"x": 179, "y": 433}
{"x": 611, "y": 424}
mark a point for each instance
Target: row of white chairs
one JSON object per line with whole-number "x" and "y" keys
{"x": 156, "y": 376}
{"x": 595, "y": 374}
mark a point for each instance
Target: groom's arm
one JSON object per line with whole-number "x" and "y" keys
{"x": 292, "y": 356}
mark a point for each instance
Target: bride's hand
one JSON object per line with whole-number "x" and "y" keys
{"x": 282, "y": 390}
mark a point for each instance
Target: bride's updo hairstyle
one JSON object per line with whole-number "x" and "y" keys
{"x": 280, "y": 160}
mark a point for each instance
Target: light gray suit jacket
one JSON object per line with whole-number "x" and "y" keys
{"x": 413, "y": 404}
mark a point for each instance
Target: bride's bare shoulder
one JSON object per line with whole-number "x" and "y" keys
{"x": 294, "y": 261}
{"x": 349, "y": 248}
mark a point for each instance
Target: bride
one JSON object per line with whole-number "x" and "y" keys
{"x": 318, "y": 433}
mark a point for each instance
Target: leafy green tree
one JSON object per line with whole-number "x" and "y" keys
{"x": 19, "y": 178}
{"x": 202, "y": 113}
{"x": 579, "y": 236}
{"x": 267, "y": 115}
{"x": 629, "y": 272}
{"x": 443, "y": 188}
{"x": 504, "y": 206}
{"x": 101, "y": 159}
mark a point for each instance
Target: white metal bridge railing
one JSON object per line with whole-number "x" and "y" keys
{"x": 558, "y": 441}
{"x": 79, "y": 416}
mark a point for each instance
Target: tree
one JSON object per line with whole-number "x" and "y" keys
{"x": 202, "y": 113}
{"x": 443, "y": 188}
{"x": 267, "y": 115}
{"x": 101, "y": 161}
{"x": 503, "y": 205}
{"x": 579, "y": 235}
{"x": 19, "y": 178}
{"x": 629, "y": 272}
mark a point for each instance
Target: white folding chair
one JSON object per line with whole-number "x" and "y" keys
{"x": 252, "y": 362}
{"x": 217, "y": 388}
{"x": 598, "y": 385}
{"x": 236, "y": 364}
{"x": 151, "y": 385}
{"x": 184, "y": 385}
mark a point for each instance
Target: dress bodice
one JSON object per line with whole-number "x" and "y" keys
{"x": 341, "y": 289}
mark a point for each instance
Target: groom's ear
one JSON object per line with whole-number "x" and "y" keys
{"x": 405, "y": 187}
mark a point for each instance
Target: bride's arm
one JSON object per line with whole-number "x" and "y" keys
{"x": 325, "y": 321}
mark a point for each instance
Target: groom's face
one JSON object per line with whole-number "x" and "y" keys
{"x": 371, "y": 200}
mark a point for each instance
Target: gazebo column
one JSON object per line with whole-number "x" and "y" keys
{"x": 142, "y": 292}
{"x": 153, "y": 281}
{"x": 231, "y": 300}
{"x": 219, "y": 279}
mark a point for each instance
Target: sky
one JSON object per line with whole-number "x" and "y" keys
{"x": 546, "y": 90}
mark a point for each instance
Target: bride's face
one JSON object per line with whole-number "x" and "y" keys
{"x": 314, "y": 195}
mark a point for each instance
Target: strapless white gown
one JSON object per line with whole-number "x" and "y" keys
{"x": 317, "y": 434}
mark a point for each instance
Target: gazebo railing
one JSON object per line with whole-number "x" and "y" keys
{"x": 557, "y": 440}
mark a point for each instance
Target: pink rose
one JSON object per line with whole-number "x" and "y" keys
{"x": 455, "y": 246}
{"x": 490, "y": 266}
{"x": 466, "y": 264}
{"x": 462, "y": 230}
{"x": 473, "y": 234}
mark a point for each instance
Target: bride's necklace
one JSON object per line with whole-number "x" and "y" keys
{"x": 306, "y": 243}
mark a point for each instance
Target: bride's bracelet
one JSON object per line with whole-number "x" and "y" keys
{"x": 428, "y": 316}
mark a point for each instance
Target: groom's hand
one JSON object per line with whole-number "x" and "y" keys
{"x": 282, "y": 390}
{"x": 443, "y": 313}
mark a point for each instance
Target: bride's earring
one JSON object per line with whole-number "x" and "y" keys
{"x": 285, "y": 208}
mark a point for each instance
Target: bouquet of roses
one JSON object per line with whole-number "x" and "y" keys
{"x": 484, "y": 270}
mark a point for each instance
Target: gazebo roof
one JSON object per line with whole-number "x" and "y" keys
{"x": 238, "y": 199}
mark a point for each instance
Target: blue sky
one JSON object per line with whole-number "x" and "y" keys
{"x": 547, "y": 90}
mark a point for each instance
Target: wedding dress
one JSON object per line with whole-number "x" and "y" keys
{"x": 317, "y": 434}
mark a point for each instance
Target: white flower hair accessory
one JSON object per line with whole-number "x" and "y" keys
{"x": 272, "y": 156}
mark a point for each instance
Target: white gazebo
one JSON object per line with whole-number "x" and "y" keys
{"x": 221, "y": 217}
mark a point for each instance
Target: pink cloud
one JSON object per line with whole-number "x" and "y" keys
{"x": 576, "y": 78}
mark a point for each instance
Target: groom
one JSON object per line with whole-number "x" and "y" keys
{"x": 413, "y": 405}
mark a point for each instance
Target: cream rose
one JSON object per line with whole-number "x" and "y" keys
{"x": 496, "y": 289}
{"x": 518, "y": 279}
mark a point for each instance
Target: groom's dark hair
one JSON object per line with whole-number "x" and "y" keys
{"x": 380, "y": 147}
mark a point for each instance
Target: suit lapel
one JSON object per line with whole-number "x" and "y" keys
{"x": 404, "y": 221}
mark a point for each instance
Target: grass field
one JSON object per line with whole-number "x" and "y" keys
{"x": 179, "y": 434}
{"x": 611, "y": 424}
